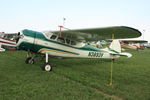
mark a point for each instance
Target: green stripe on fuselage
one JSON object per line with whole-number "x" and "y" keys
{"x": 36, "y": 48}
{"x": 113, "y": 50}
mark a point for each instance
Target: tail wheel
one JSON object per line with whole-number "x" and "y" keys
{"x": 47, "y": 67}
{"x": 29, "y": 60}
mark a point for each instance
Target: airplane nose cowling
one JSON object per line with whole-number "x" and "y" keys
{"x": 26, "y": 40}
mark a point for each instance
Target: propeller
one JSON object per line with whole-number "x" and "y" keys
{"x": 17, "y": 37}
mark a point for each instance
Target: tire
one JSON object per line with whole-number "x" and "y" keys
{"x": 47, "y": 67}
{"x": 29, "y": 60}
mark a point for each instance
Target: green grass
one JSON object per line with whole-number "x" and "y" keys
{"x": 75, "y": 79}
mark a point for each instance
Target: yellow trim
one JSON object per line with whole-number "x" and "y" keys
{"x": 44, "y": 50}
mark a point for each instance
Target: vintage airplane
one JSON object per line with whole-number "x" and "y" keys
{"x": 135, "y": 44}
{"x": 7, "y": 40}
{"x": 73, "y": 43}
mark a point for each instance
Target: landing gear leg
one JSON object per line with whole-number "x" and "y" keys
{"x": 46, "y": 66}
{"x": 30, "y": 60}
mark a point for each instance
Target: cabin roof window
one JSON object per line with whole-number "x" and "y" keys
{"x": 53, "y": 37}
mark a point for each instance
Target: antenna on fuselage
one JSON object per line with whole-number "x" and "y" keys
{"x": 64, "y": 19}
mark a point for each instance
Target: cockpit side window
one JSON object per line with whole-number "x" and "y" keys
{"x": 67, "y": 41}
{"x": 53, "y": 37}
{"x": 70, "y": 42}
{"x": 73, "y": 43}
{"x": 60, "y": 39}
{"x": 63, "y": 40}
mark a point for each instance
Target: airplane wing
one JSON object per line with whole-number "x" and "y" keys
{"x": 93, "y": 34}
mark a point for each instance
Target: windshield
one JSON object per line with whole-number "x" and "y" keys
{"x": 48, "y": 34}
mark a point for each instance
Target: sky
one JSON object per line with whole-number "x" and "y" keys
{"x": 41, "y": 15}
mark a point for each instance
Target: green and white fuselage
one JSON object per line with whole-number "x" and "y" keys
{"x": 54, "y": 45}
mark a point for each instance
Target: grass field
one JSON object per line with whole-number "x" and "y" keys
{"x": 75, "y": 79}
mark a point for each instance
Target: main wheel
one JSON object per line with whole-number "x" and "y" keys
{"x": 29, "y": 60}
{"x": 47, "y": 67}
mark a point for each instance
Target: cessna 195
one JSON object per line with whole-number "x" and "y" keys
{"x": 71, "y": 43}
